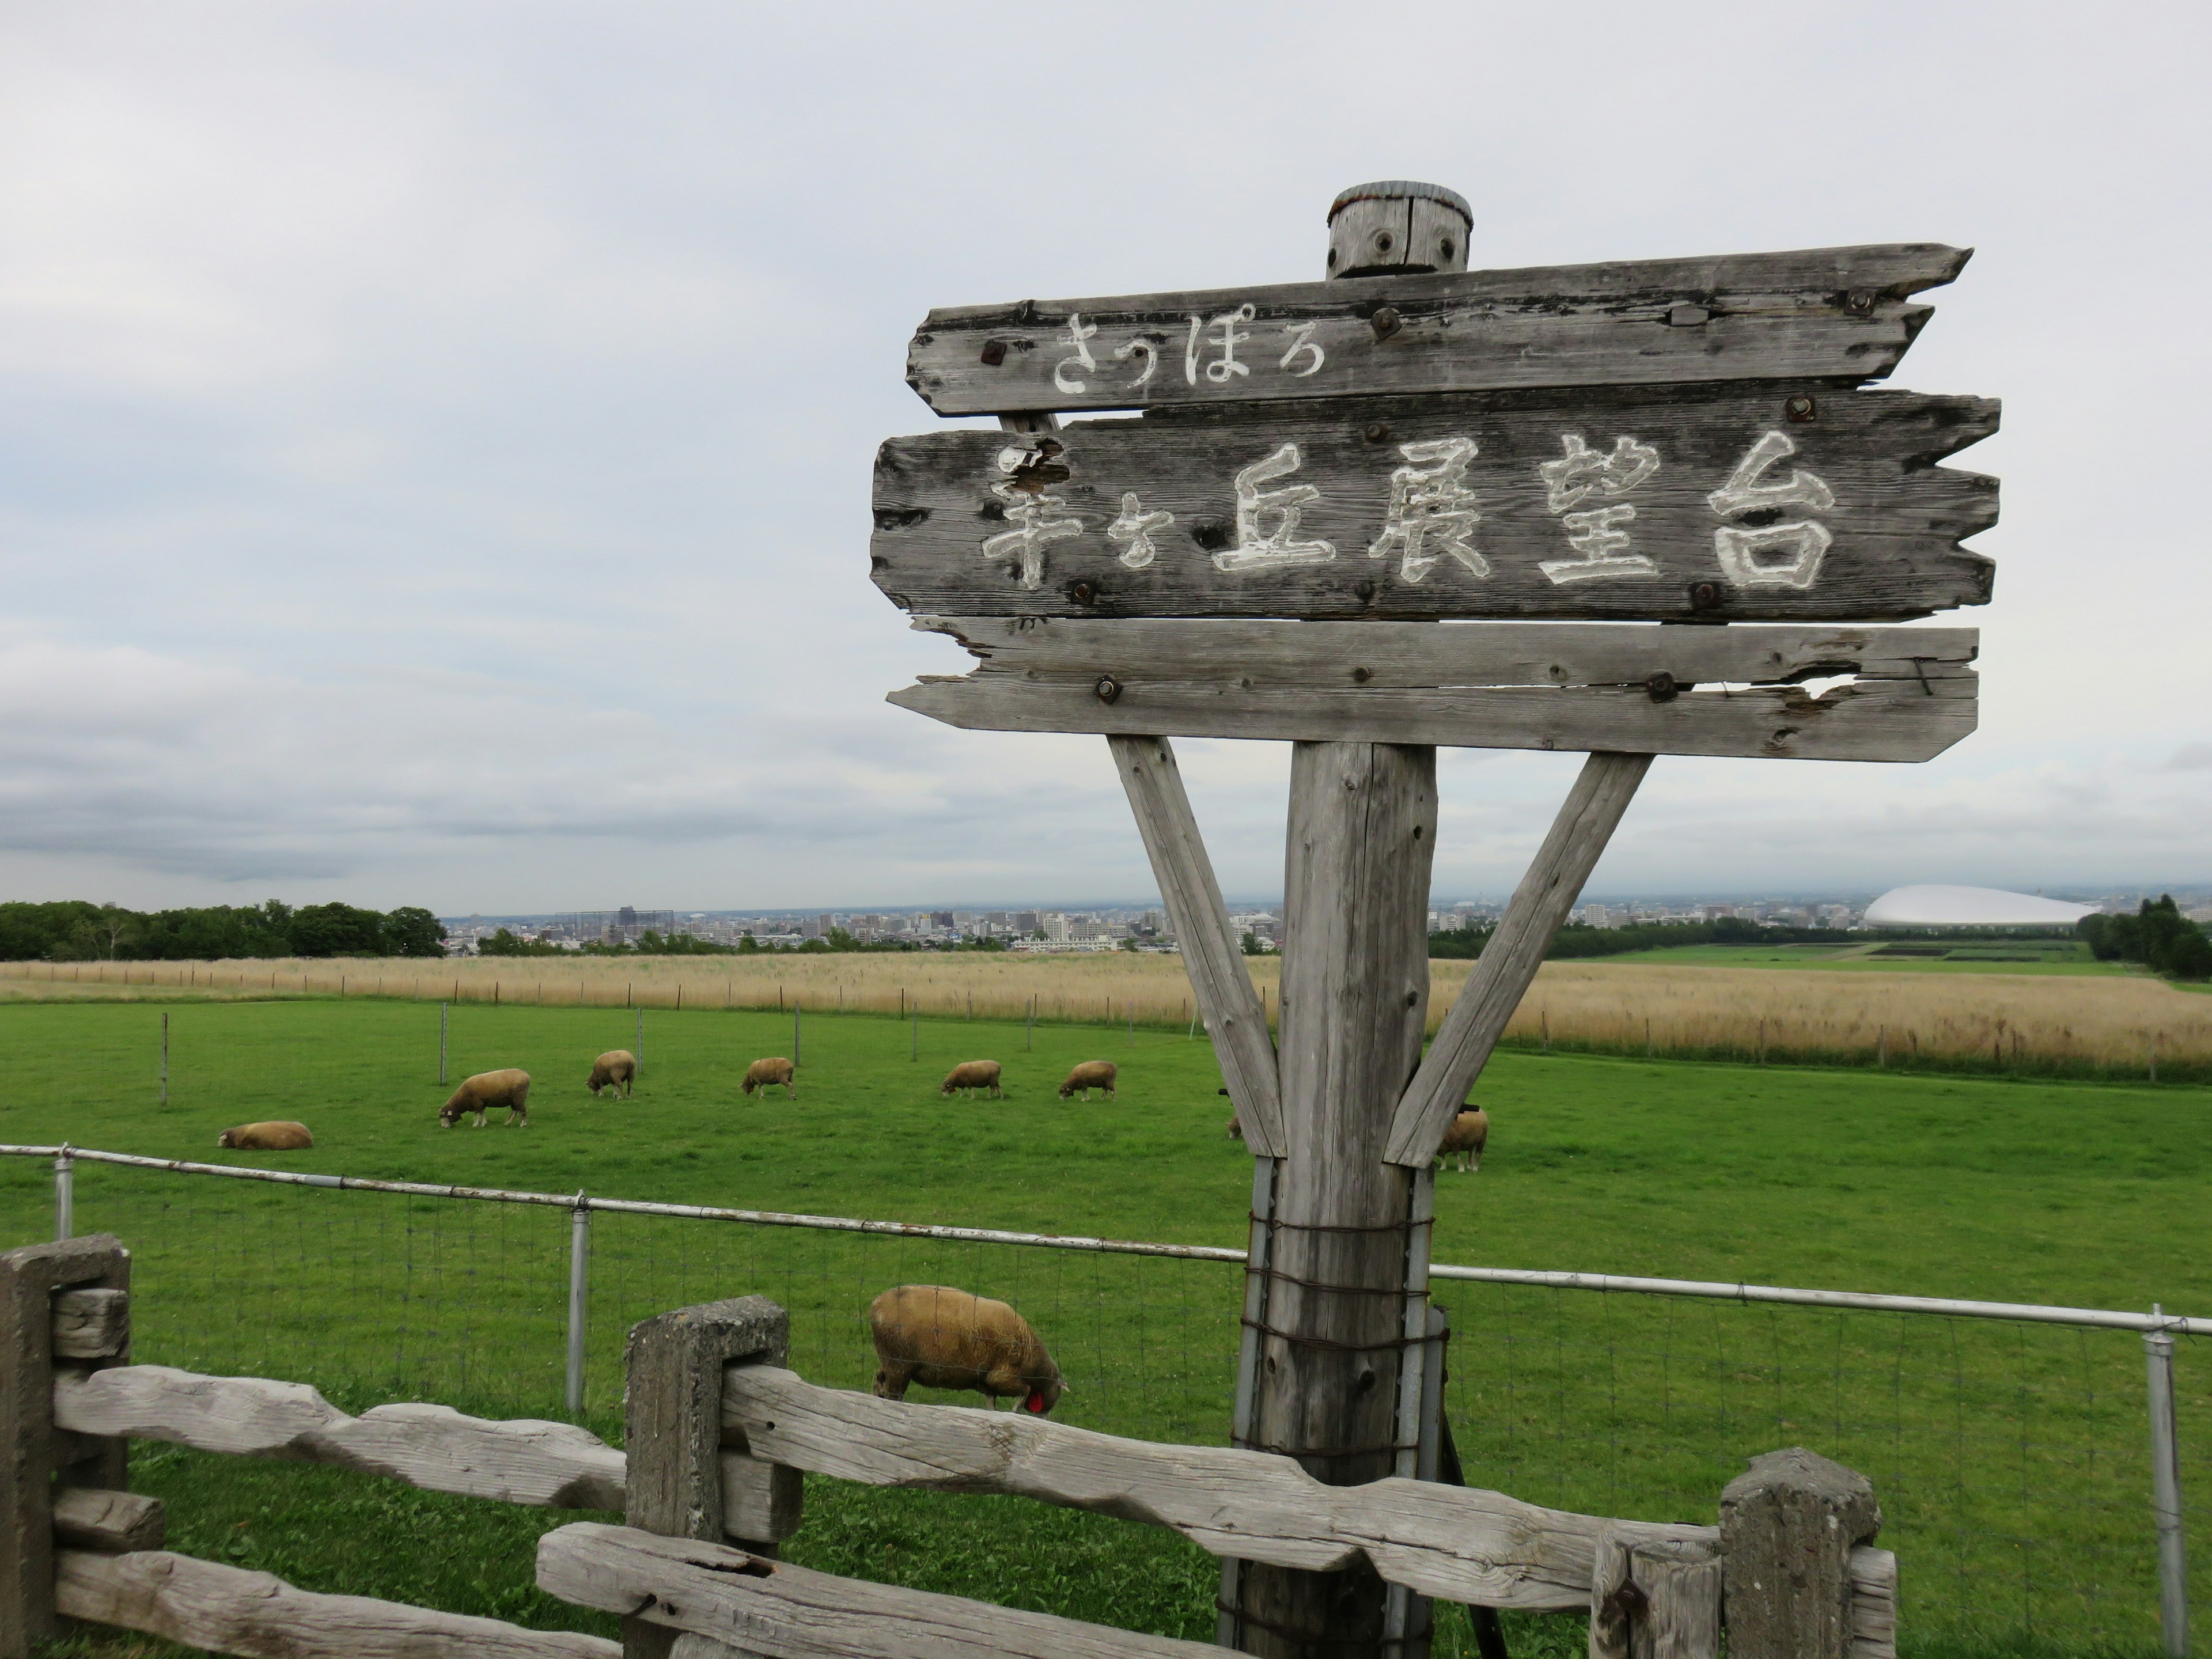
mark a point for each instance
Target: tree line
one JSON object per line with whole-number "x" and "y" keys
{"x": 74, "y": 929}
{"x": 2158, "y": 936}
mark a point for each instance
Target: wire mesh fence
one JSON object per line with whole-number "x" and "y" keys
{"x": 2012, "y": 1460}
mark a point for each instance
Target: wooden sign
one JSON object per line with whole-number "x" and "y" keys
{"x": 1892, "y": 694}
{"x": 1795, "y": 501}
{"x": 1824, "y": 313}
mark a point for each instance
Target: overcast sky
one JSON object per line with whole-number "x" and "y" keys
{"x": 434, "y": 440}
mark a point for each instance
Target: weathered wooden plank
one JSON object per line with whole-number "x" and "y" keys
{"x": 1707, "y": 503}
{"x": 1276, "y": 655}
{"x": 1895, "y": 721}
{"x": 1655, "y": 1599}
{"x": 762, "y": 1503}
{"x": 1501, "y": 976}
{"x": 91, "y": 1324}
{"x": 112, "y": 1522}
{"x": 1874, "y": 1603}
{"x": 33, "y": 1456}
{"x": 219, "y": 1609}
{"x": 1212, "y": 953}
{"x": 1817, "y": 313}
{"x": 765, "y": 1606}
{"x": 523, "y": 1460}
{"x": 1457, "y": 1543}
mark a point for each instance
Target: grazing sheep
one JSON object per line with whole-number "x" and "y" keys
{"x": 1236, "y": 1128}
{"x": 486, "y": 1090}
{"x": 943, "y": 1338}
{"x": 1467, "y": 1134}
{"x": 279, "y": 1137}
{"x": 973, "y": 1074}
{"x": 767, "y": 1073}
{"x": 1091, "y": 1074}
{"x": 615, "y": 1069}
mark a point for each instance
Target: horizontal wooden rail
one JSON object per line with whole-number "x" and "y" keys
{"x": 434, "y": 1447}
{"x": 742, "y": 1603}
{"x": 223, "y": 1609}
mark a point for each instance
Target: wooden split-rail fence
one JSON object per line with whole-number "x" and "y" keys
{"x": 719, "y": 1432}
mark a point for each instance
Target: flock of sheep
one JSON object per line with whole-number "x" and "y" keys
{"x": 934, "y": 1334}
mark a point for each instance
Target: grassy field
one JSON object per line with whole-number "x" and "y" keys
{"x": 2009, "y": 1459}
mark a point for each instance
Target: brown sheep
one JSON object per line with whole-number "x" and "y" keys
{"x": 1468, "y": 1133}
{"x": 1091, "y": 1074}
{"x": 1236, "y": 1128}
{"x": 767, "y": 1073}
{"x": 279, "y": 1137}
{"x": 615, "y": 1069}
{"x": 973, "y": 1074}
{"x": 943, "y": 1338}
{"x": 479, "y": 1094}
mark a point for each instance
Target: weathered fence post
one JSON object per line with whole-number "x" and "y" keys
{"x": 2166, "y": 1494}
{"x": 681, "y": 1482}
{"x": 580, "y": 1264}
{"x": 65, "y": 1194}
{"x": 1788, "y": 1526}
{"x": 35, "y": 1456}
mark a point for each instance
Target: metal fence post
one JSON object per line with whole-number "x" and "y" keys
{"x": 2165, "y": 1492}
{"x": 579, "y": 1256}
{"x": 65, "y": 1195}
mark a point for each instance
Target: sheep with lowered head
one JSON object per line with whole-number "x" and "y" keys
{"x": 944, "y": 1337}
{"x": 1091, "y": 1074}
{"x": 486, "y": 1090}
{"x": 1469, "y": 1133}
{"x": 282, "y": 1136}
{"x": 767, "y": 1073}
{"x": 973, "y": 1074}
{"x": 615, "y": 1069}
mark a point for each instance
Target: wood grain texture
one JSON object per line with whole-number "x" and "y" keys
{"x": 1211, "y": 952}
{"x": 219, "y": 1609}
{"x": 1147, "y": 518}
{"x": 1502, "y": 975}
{"x": 769, "y": 1607}
{"x": 1457, "y": 1543}
{"x": 33, "y": 1457}
{"x": 1838, "y": 313}
{"x": 1885, "y": 721}
{"x": 521, "y": 1460}
{"x": 1680, "y": 1582}
{"x": 1874, "y": 1603}
{"x": 762, "y": 1503}
{"x": 91, "y": 1324}
{"x": 112, "y": 1522}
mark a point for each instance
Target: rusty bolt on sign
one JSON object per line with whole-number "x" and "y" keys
{"x": 1109, "y": 689}
{"x": 1800, "y": 408}
{"x": 1387, "y": 322}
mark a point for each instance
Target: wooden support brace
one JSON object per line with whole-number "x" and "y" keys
{"x": 1211, "y": 952}
{"x": 1508, "y": 962}
{"x": 35, "y": 1456}
{"x": 674, "y": 1432}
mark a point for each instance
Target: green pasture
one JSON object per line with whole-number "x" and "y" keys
{"x": 2010, "y": 1459}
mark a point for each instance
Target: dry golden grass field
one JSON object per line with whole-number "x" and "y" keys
{"x": 2070, "y": 1024}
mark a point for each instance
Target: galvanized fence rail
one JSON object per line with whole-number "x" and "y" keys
{"x": 2009, "y": 1497}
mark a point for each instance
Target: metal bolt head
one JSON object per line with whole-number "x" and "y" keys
{"x": 1361, "y": 676}
{"x": 1378, "y": 434}
{"x": 1387, "y": 322}
{"x": 994, "y": 352}
{"x": 1108, "y": 689}
{"x": 1801, "y": 408}
{"x": 1660, "y": 687}
{"x": 1083, "y": 592}
{"x": 1364, "y": 591}
{"x": 1860, "y": 300}
{"x": 1704, "y": 596}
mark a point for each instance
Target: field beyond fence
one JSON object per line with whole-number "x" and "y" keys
{"x": 2087, "y": 1027}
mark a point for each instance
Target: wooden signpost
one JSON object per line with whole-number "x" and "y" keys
{"x": 1413, "y": 505}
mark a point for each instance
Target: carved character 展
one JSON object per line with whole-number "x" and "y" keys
{"x": 1228, "y": 337}
{"x": 1134, "y": 528}
{"x": 1278, "y": 544}
{"x": 1078, "y": 336}
{"x": 1746, "y": 554}
{"x": 1598, "y": 534}
{"x": 1431, "y": 508}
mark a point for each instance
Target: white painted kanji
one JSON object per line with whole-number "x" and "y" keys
{"x": 1261, "y": 544}
{"x": 1599, "y": 535}
{"x": 1580, "y": 470}
{"x": 1134, "y": 529}
{"x": 1078, "y": 335}
{"x": 1028, "y": 510}
{"x": 1776, "y": 555}
{"x": 1226, "y": 336}
{"x": 1432, "y": 511}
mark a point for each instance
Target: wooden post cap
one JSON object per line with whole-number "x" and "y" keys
{"x": 1398, "y": 226}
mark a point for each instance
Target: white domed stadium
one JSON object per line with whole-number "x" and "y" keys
{"x": 1971, "y": 907}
